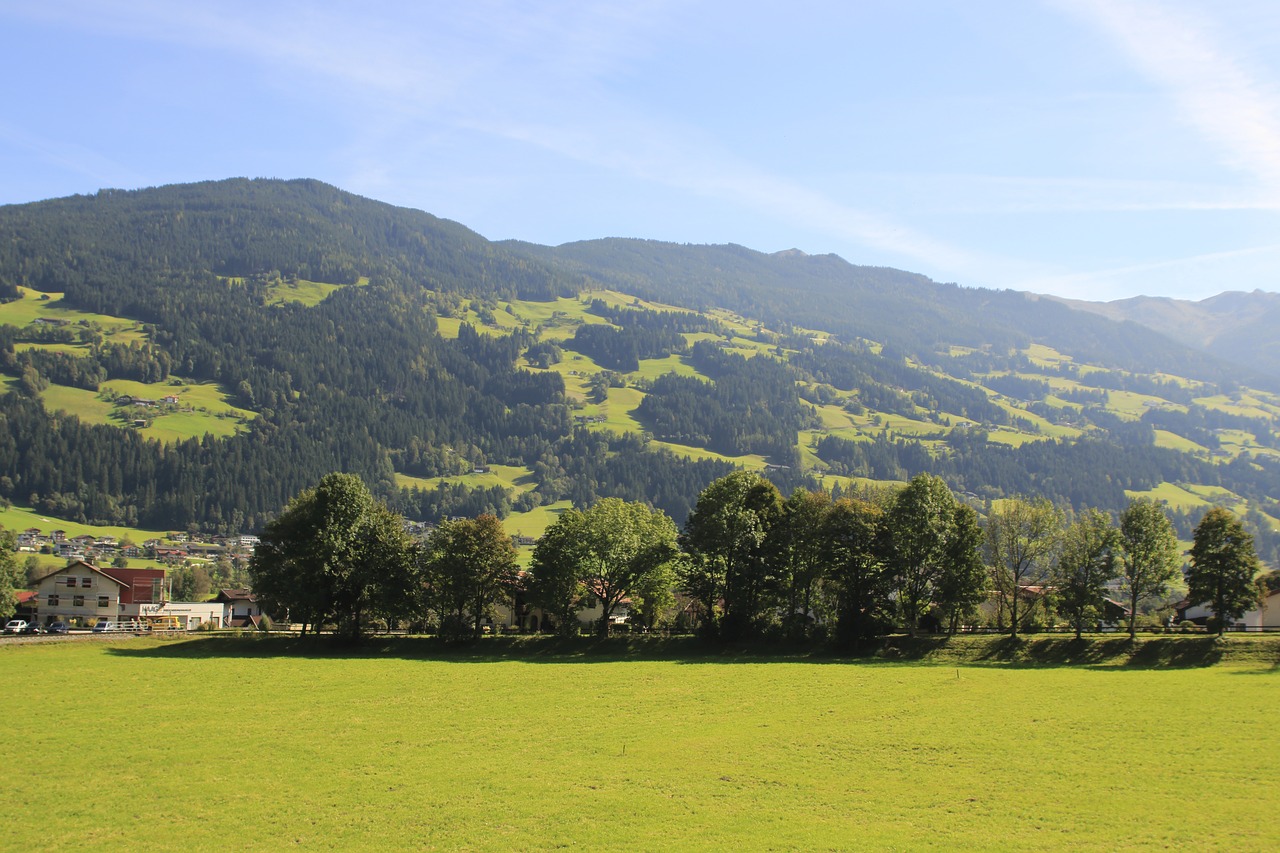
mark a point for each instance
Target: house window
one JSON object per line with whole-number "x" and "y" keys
{"x": 103, "y": 601}
{"x": 78, "y": 601}
{"x": 53, "y": 601}
{"x": 71, "y": 581}
{"x": 87, "y": 583}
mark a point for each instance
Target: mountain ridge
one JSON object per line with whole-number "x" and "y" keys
{"x": 1235, "y": 325}
{"x": 346, "y": 334}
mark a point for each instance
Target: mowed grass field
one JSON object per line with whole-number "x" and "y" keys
{"x": 267, "y": 744}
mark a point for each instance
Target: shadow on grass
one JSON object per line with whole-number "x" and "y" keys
{"x": 1109, "y": 652}
{"x": 486, "y": 650}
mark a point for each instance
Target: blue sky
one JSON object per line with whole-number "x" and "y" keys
{"x": 1089, "y": 148}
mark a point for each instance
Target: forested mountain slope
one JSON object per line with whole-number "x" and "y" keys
{"x": 910, "y": 312}
{"x": 192, "y": 356}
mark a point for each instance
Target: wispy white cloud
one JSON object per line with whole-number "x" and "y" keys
{"x": 1008, "y": 194}
{"x": 537, "y": 74}
{"x": 1185, "y": 276}
{"x": 1228, "y": 100}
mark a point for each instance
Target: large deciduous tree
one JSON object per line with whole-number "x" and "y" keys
{"x": 1223, "y": 567}
{"x": 964, "y": 581}
{"x": 724, "y": 537}
{"x": 467, "y": 566}
{"x": 797, "y": 558}
{"x": 335, "y": 555}
{"x": 852, "y": 538}
{"x": 921, "y": 526}
{"x": 614, "y": 550}
{"x": 554, "y": 583}
{"x": 1149, "y": 558}
{"x": 1086, "y": 564}
{"x": 1022, "y": 542}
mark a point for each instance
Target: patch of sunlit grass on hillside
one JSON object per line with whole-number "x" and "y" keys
{"x": 535, "y": 522}
{"x": 1173, "y": 441}
{"x": 749, "y": 461}
{"x": 16, "y": 517}
{"x": 33, "y": 305}
{"x": 203, "y": 408}
{"x": 1172, "y": 494}
{"x": 1013, "y": 438}
{"x": 507, "y": 476}
{"x": 400, "y": 749}
{"x": 617, "y": 410}
{"x": 652, "y": 368}
{"x": 1244, "y": 405}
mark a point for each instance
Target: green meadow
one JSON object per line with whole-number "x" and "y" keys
{"x": 34, "y": 305}
{"x": 303, "y": 292}
{"x": 202, "y": 408}
{"x": 15, "y": 517}
{"x": 264, "y": 744}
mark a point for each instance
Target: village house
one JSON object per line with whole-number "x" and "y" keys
{"x": 1264, "y": 617}
{"x": 239, "y": 608}
{"x": 82, "y": 593}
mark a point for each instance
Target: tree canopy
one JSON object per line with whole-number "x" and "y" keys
{"x": 335, "y": 555}
{"x": 1223, "y": 568}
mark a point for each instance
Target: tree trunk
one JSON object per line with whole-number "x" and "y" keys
{"x": 1133, "y": 615}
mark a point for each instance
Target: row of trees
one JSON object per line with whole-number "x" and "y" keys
{"x": 748, "y": 564}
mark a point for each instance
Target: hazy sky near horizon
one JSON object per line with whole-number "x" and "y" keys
{"x": 1096, "y": 149}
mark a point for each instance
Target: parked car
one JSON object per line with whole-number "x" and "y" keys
{"x": 33, "y": 628}
{"x": 15, "y": 626}
{"x": 104, "y": 626}
{"x": 58, "y": 628}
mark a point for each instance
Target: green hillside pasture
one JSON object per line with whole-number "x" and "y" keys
{"x": 750, "y": 461}
{"x": 209, "y": 410}
{"x": 557, "y": 320}
{"x": 1176, "y": 496}
{"x": 85, "y": 405}
{"x": 77, "y": 350}
{"x": 1237, "y": 441}
{"x": 1214, "y": 494}
{"x": 309, "y": 293}
{"x": 408, "y": 747}
{"x": 626, "y": 300}
{"x": 808, "y": 457}
{"x": 1246, "y": 405}
{"x": 24, "y": 311}
{"x": 1172, "y": 440}
{"x": 535, "y": 522}
{"x": 448, "y": 326}
{"x": 617, "y": 410}
{"x": 1046, "y": 356}
{"x": 1044, "y": 427}
{"x": 512, "y": 477}
{"x": 873, "y": 423}
{"x": 1013, "y": 438}
{"x": 577, "y": 370}
{"x": 652, "y": 368}
{"x": 21, "y": 518}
